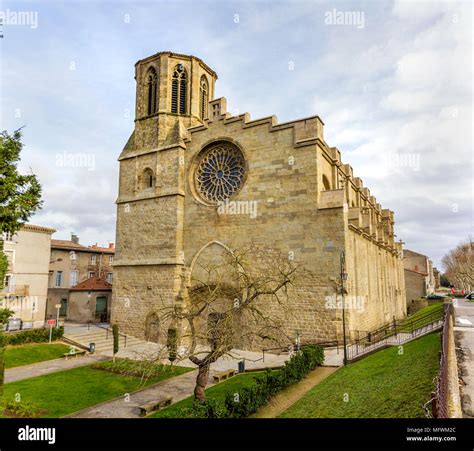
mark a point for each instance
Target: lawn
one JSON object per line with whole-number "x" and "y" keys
{"x": 432, "y": 308}
{"x": 33, "y": 353}
{"x": 217, "y": 392}
{"x": 386, "y": 384}
{"x": 65, "y": 392}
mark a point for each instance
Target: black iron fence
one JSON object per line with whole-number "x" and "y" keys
{"x": 395, "y": 332}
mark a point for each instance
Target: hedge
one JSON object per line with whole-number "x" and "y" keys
{"x": 249, "y": 399}
{"x": 33, "y": 336}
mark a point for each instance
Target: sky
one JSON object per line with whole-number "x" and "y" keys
{"x": 392, "y": 83}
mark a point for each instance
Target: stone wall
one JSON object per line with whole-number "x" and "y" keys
{"x": 164, "y": 230}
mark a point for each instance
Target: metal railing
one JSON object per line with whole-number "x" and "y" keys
{"x": 107, "y": 330}
{"x": 439, "y": 398}
{"x": 395, "y": 332}
{"x": 293, "y": 347}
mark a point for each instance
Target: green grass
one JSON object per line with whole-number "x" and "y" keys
{"x": 216, "y": 392}
{"x": 432, "y": 308}
{"x": 383, "y": 385}
{"x": 33, "y": 353}
{"x": 65, "y": 392}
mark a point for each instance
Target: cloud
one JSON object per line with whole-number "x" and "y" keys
{"x": 395, "y": 96}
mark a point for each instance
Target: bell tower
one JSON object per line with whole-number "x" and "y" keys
{"x": 171, "y": 89}
{"x": 172, "y": 94}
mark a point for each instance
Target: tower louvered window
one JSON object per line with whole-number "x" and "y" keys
{"x": 152, "y": 81}
{"x": 179, "y": 85}
{"x": 204, "y": 97}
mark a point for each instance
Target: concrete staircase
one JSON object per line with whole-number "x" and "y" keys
{"x": 102, "y": 338}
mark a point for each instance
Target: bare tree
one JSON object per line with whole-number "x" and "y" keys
{"x": 459, "y": 265}
{"x": 237, "y": 301}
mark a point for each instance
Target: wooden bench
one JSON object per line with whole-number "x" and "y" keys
{"x": 153, "y": 406}
{"x": 223, "y": 375}
{"x": 74, "y": 354}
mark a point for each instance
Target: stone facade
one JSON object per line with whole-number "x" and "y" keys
{"x": 420, "y": 276}
{"x": 304, "y": 202}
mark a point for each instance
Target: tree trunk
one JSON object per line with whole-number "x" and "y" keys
{"x": 201, "y": 382}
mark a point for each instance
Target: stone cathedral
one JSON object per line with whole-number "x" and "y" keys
{"x": 188, "y": 156}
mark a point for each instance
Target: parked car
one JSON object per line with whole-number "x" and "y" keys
{"x": 469, "y": 296}
{"x": 435, "y": 296}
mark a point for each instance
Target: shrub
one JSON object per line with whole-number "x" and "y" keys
{"x": 33, "y": 336}
{"x": 249, "y": 399}
{"x": 21, "y": 409}
{"x": 115, "y": 331}
{"x": 144, "y": 369}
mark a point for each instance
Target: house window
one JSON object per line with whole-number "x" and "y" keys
{"x": 72, "y": 255}
{"x": 111, "y": 259}
{"x": 7, "y": 236}
{"x": 91, "y": 274}
{"x": 152, "y": 90}
{"x": 109, "y": 277}
{"x": 73, "y": 278}
{"x": 204, "y": 97}
{"x": 179, "y": 85}
{"x": 6, "y": 283}
{"x": 59, "y": 278}
{"x": 93, "y": 259}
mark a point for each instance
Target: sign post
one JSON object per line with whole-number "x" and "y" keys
{"x": 51, "y": 323}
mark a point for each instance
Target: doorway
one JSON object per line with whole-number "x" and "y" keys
{"x": 101, "y": 309}
{"x": 63, "y": 308}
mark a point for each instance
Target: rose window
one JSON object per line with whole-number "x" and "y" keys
{"x": 220, "y": 172}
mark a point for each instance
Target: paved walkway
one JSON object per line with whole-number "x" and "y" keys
{"x": 284, "y": 400}
{"x": 49, "y": 366}
{"x": 181, "y": 387}
{"x": 464, "y": 336}
{"x": 178, "y": 387}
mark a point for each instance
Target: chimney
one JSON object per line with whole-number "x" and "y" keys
{"x": 111, "y": 245}
{"x": 74, "y": 238}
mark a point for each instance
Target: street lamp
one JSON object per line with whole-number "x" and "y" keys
{"x": 343, "y": 276}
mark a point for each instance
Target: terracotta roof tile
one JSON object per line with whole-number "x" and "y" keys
{"x": 92, "y": 284}
{"x": 38, "y": 228}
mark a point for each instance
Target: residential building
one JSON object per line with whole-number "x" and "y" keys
{"x": 420, "y": 277}
{"x": 26, "y": 281}
{"x": 72, "y": 264}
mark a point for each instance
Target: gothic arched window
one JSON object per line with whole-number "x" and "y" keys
{"x": 179, "y": 84}
{"x": 147, "y": 179}
{"x": 152, "y": 82}
{"x": 203, "y": 97}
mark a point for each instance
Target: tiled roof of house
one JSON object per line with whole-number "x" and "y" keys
{"x": 93, "y": 284}
{"x": 67, "y": 244}
{"x": 38, "y": 228}
{"x": 70, "y": 245}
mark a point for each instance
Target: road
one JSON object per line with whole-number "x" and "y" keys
{"x": 464, "y": 336}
